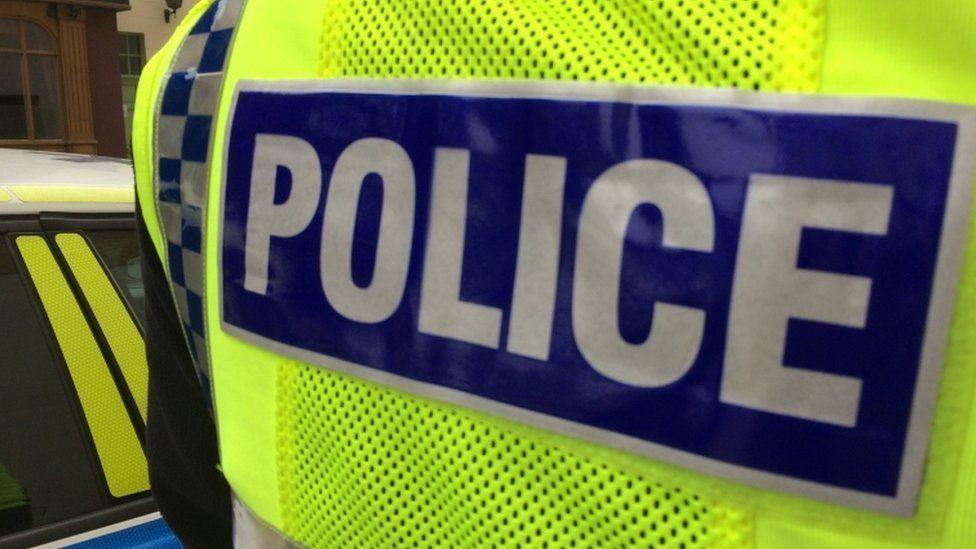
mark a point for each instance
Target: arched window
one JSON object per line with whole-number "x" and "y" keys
{"x": 30, "y": 91}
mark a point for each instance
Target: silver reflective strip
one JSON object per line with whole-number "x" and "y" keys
{"x": 185, "y": 116}
{"x": 250, "y": 531}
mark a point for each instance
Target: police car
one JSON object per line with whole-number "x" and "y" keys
{"x": 73, "y": 374}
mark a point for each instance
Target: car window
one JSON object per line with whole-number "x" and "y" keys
{"x": 119, "y": 250}
{"x": 15, "y": 513}
{"x": 46, "y": 460}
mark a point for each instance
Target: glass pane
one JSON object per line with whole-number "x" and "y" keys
{"x": 13, "y": 117}
{"x": 9, "y": 33}
{"x": 135, "y": 66}
{"x": 45, "y": 472}
{"x": 119, "y": 250}
{"x": 45, "y": 96}
{"x": 37, "y": 38}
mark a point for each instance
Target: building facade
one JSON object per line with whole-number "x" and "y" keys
{"x": 143, "y": 30}
{"x": 60, "y": 87}
{"x": 153, "y": 21}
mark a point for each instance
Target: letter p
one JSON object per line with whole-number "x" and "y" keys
{"x": 266, "y": 219}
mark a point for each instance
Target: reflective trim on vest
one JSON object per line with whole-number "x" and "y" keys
{"x": 251, "y": 531}
{"x": 184, "y": 122}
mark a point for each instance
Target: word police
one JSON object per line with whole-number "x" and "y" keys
{"x": 768, "y": 289}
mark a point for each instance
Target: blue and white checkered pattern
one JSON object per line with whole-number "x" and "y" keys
{"x": 184, "y": 124}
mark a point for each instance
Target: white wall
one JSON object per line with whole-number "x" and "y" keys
{"x": 146, "y": 17}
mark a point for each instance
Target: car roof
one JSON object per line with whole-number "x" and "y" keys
{"x": 39, "y": 181}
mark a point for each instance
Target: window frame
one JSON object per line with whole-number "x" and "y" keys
{"x": 23, "y": 52}
{"x": 129, "y": 56}
{"x": 48, "y": 226}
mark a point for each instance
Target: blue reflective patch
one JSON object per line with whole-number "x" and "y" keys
{"x": 195, "y": 138}
{"x": 206, "y": 21}
{"x": 215, "y": 51}
{"x": 899, "y": 164}
{"x": 176, "y": 98}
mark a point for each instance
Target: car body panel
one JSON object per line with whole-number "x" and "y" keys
{"x": 53, "y": 198}
{"x": 34, "y": 182}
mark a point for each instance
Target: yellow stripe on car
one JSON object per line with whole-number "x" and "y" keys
{"x": 114, "y": 319}
{"x": 119, "y": 451}
{"x": 64, "y": 193}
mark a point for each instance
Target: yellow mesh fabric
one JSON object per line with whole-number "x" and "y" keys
{"x": 751, "y": 44}
{"x": 363, "y": 466}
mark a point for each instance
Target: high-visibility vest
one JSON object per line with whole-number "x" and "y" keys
{"x": 320, "y": 451}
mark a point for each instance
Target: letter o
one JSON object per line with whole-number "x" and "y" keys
{"x": 382, "y": 297}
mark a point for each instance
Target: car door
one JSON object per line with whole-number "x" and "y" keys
{"x": 73, "y": 380}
